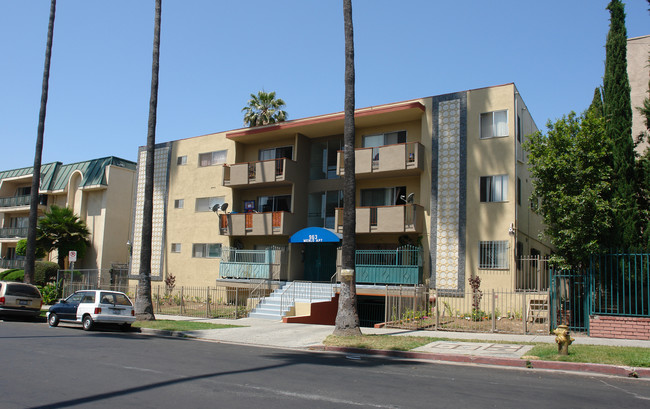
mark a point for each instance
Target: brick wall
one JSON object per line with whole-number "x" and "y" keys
{"x": 605, "y": 326}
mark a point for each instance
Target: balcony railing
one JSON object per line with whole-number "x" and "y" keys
{"x": 12, "y": 263}
{"x": 402, "y": 157}
{"x": 9, "y": 232}
{"x": 256, "y": 224}
{"x": 17, "y": 201}
{"x": 407, "y": 218}
{"x": 273, "y": 171}
{"x": 400, "y": 266}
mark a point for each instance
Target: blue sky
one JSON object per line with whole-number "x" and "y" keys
{"x": 215, "y": 53}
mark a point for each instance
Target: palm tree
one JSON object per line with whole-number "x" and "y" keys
{"x": 347, "y": 318}
{"x": 36, "y": 175}
{"x": 143, "y": 302}
{"x": 61, "y": 230}
{"x": 264, "y": 109}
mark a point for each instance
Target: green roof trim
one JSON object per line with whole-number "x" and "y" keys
{"x": 55, "y": 176}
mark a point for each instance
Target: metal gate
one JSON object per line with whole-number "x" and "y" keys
{"x": 570, "y": 298}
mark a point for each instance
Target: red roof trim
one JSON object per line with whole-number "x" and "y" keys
{"x": 361, "y": 112}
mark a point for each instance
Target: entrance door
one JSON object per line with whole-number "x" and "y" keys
{"x": 320, "y": 261}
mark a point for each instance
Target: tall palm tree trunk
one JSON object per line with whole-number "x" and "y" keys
{"x": 143, "y": 302}
{"x": 347, "y": 318}
{"x": 30, "y": 251}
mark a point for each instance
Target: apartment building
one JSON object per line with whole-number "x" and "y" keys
{"x": 445, "y": 175}
{"x": 99, "y": 191}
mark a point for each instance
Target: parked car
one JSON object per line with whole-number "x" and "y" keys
{"x": 90, "y": 307}
{"x": 19, "y": 300}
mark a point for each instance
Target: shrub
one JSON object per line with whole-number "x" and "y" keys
{"x": 15, "y": 275}
{"x": 50, "y": 294}
{"x": 5, "y": 273}
{"x": 45, "y": 272}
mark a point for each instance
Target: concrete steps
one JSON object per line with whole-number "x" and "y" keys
{"x": 271, "y": 307}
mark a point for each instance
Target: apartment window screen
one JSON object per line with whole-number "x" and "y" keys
{"x": 181, "y": 160}
{"x": 493, "y": 254}
{"x": 212, "y": 158}
{"x": 179, "y": 203}
{"x": 206, "y": 250}
{"x": 205, "y": 204}
{"x": 494, "y": 124}
{"x": 176, "y": 247}
{"x": 494, "y": 188}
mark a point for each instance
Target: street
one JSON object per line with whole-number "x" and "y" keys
{"x": 66, "y": 367}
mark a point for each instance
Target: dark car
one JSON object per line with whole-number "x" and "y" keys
{"x": 19, "y": 300}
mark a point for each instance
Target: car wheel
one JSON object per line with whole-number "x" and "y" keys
{"x": 87, "y": 323}
{"x": 53, "y": 320}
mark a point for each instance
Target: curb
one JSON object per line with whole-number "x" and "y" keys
{"x": 497, "y": 361}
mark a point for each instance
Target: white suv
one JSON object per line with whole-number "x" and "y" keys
{"x": 88, "y": 307}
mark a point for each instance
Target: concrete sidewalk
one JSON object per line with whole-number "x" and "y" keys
{"x": 276, "y": 334}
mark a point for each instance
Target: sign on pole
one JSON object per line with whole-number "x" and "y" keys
{"x": 72, "y": 256}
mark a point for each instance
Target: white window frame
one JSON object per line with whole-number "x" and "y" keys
{"x": 179, "y": 203}
{"x": 181, "y": 160}
{"x": 205, "y": 204}
{"x": 497, "y": 188}
{"x": 493, "y": 255}
{"x": 494, "y": 131}
{"x": 176, "y": 248}
{"x": 212, "y": 158}
{"x": 206, "y": 250}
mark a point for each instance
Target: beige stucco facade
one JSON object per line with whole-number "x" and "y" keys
{"x": 638, "y": 71}
{"x": 421, "y": 166}
{"x": 100, "y": 192}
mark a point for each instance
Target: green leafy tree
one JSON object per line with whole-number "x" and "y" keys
{"x": 347, "y": 317}
{"x": 264, "y": 109}
{"x": 61, "y": 230}
{"x": 21, "y": 249}
{"x": 618, "y": 127}
{"x": 143, "y": 301}
{"x": 572, "y": 179}
{"x": 596, "y": 106}
{"x": 30, "y": 256}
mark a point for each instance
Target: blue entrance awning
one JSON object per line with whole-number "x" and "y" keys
{"x": 315, "y": 235}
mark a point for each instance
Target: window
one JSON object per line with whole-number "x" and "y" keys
{"x": 390, "y": 138}
{"x": 493, "y": 254}
{"x": 276, "y": 153}
{"x": 205, "y": 204}
{"x": 176, "y": 247}
{"x": 519, "y": 191}
{"x": 274, "y": 203}
{"x": 212, "y": 158}
{"x": 494, "y": 188}
{"x": 181, "y": 160}
{"x": 494, "y": 124}
{"x": 388, "y": 196}
{"x": 179, "y": 203}
{"x": 206, "y": 250}
{"x": 24, "y": 191}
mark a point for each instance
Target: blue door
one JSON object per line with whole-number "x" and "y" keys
{"x": 320, "y": 261}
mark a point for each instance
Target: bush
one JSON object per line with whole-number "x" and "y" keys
{"x": 45, "y": 272}
{"x": 5, "y": 273}
{"x": 14, "y": 275}
{"x": 50, "y": 294}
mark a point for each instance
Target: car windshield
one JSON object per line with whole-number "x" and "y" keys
{"x": 75, "y": 298}
{"x": 114, "y": 298}
{"x": 22, "y": 290}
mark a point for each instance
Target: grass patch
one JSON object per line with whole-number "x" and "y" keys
{"x": 171, "y": 325}
{"x": 595, "y": 354}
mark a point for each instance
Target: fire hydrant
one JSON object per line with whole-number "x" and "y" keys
{"x": 563, "y": 339}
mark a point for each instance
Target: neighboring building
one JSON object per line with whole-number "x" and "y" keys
{"x": 638, "y": 71}
{"x": 447, "y": 173}
{"x": 99, "y": 191}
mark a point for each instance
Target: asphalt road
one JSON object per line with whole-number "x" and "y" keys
{"x": 66, "y": 367}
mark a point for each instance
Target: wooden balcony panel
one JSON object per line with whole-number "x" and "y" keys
{"x": 385, "y": 219}
{"x": 260, "y": 173}
{"x": 398, "y": 159}
{"x": 256, "y": 224}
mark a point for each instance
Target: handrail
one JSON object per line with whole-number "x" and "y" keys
{"x": 283, "y": 294}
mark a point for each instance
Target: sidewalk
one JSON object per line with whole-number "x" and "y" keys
{"x": 267, "y": 333}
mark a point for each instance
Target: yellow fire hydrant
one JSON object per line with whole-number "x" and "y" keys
{"x": 563, "y": 339}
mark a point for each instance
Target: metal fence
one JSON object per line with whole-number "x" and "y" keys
{"x": 532, "y": 273}
{"x": 621, "y": 284}
{"x": 413, "y": 307}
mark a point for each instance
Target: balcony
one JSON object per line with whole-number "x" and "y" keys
{"x": 20, "y": 201}
{"x": 390, "y": 160}
{"x": 4, "y": 263}
{"x": 257, "y": 224}
{"x": 407, "y": 218}
{"x": 13, "y": 232}
{"x": 261, "y": 173}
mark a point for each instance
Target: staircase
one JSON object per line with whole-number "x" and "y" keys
{"x": 276, "y": 305}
